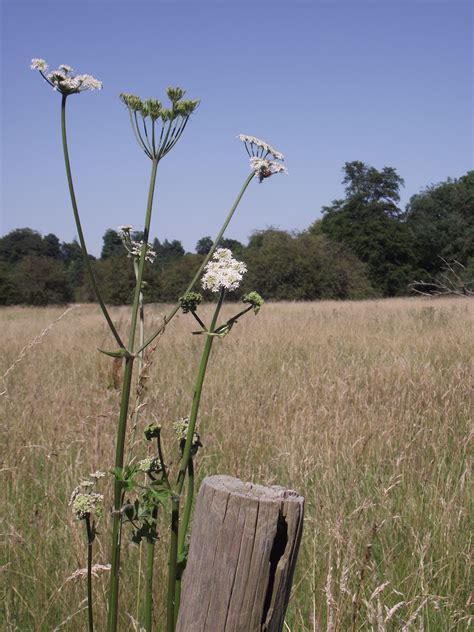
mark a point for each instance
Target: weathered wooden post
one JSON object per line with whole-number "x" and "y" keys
{"x": 242, "y": 556}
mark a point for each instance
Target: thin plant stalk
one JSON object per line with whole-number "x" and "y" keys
{"x": 80, "y": 233}
{"x": 183, "y": 529}
{"x": 150, "y": 561}
{"x": 141, "y": 263}
{"x": 122, "y": 428}
{"x": 118, "y": 498}
{"x": 141, "y": 324}
{"x": 173, "y": 564}
{"x": 140, "y": 358}
{"x": 90, "y": 540}
{"x": 183, "y": 467}
{"x": 215, "y": 244}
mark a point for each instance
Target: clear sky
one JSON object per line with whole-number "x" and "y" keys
{"x": 388, "y": 82}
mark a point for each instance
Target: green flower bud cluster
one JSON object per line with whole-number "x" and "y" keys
{"x": 154, "y": 109}
{"x": 190, "y": 301}
{"x": 133, "y": 102}
{"x": 155, "y": 143}
{"x": 255, "y": 300}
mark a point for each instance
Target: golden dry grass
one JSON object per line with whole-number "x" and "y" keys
{"x": 363, "y": 407}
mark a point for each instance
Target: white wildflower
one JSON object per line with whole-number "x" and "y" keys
{"x": 257, "y": 147}
{"x": 88, "y": 82}
{"x": 84, "y": 504}
{"x": 64, "y": 81}
{"x": 39, "y": 64}
{"x": 223, "y": 272}
{"x": 145, "y": 464}
{"x": 98, "y": 474}
{"x": 125, "y": 228}
{"x": 87, "y": 484}
{"x": 56, "y": 76}
{"x": 180, "y": 428}
{"x": 136, "y": 249}
{"x": 265, "y": 168}
{"x": 149, "y": 464}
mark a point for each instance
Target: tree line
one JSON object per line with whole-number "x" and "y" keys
{"x": 364, "y": 245}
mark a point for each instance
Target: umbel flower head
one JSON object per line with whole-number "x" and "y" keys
{"x": 134, "y": 248}
{"x": 264, "y": 159}
{"x": 85, "y": 502}
{"x": 157, "y": 128}
{"x": 180, "y": 428}
{"x": 64, "y": 80}
{"x": 223, "y": 272}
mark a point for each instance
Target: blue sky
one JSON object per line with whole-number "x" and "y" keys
{"x": 386, "y": 82}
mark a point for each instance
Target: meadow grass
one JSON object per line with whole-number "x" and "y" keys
{"x": 362, "y": 407}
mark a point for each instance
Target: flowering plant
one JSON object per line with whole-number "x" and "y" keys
{"x": 142, "y": 486}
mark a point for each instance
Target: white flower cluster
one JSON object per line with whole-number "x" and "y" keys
{"x": 124, "y": 230}
{"x": 223, "y": 272}
{"x": 39, "y": 64}
{"x": 145, "y": 465}
{"x": 263, "y": 157}
{"x": 257, "y": 146}
{"x": 180, "y": 428}
{"x": 63, "y": 80}
{"x": 265, "y": 168}
{"x": 134, "y": 248}
{"x": 84, "y": 503}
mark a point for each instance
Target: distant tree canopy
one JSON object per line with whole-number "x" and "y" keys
{"x": 204, "y": 245}
{"x": 440, "y": 221}
{"x": 364, "y": 245}
{"x": 367, "y": 221}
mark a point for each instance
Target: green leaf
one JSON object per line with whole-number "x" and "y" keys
{"x": 121, "y": 353}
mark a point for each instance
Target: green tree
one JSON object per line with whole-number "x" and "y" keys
{"x": 369, "y": 223}
{"x": 440, "y": 221}
{"x": 178, "y": 275}
{"x": 40, "y": 280}
{"x": 167, "y": 252}
{"x": 112, "y": 244}
{"x": 52, "y": 246}
{"x": 204, "y": 245}
{"x": 20, "y": 243}
{"x": 282, "y": 266}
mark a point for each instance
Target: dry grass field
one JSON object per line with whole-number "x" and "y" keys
{"x": 363, "y": 407}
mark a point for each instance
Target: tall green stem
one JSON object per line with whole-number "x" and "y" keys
{"x": 183, "y": 529}
{"x": 150, "y": 560}
{"x": 118, "y": 492}
{"x": 77, "y": 219}
{"x": 173, "y": 562}
{"x": 173, "y": 585}
{"x": 141, "y": 264}
{"x": 175, "y": 309}
{"x": 90, "y": 540}
{"x": 197, "y": 397}
{"x": 122, "y": 428}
